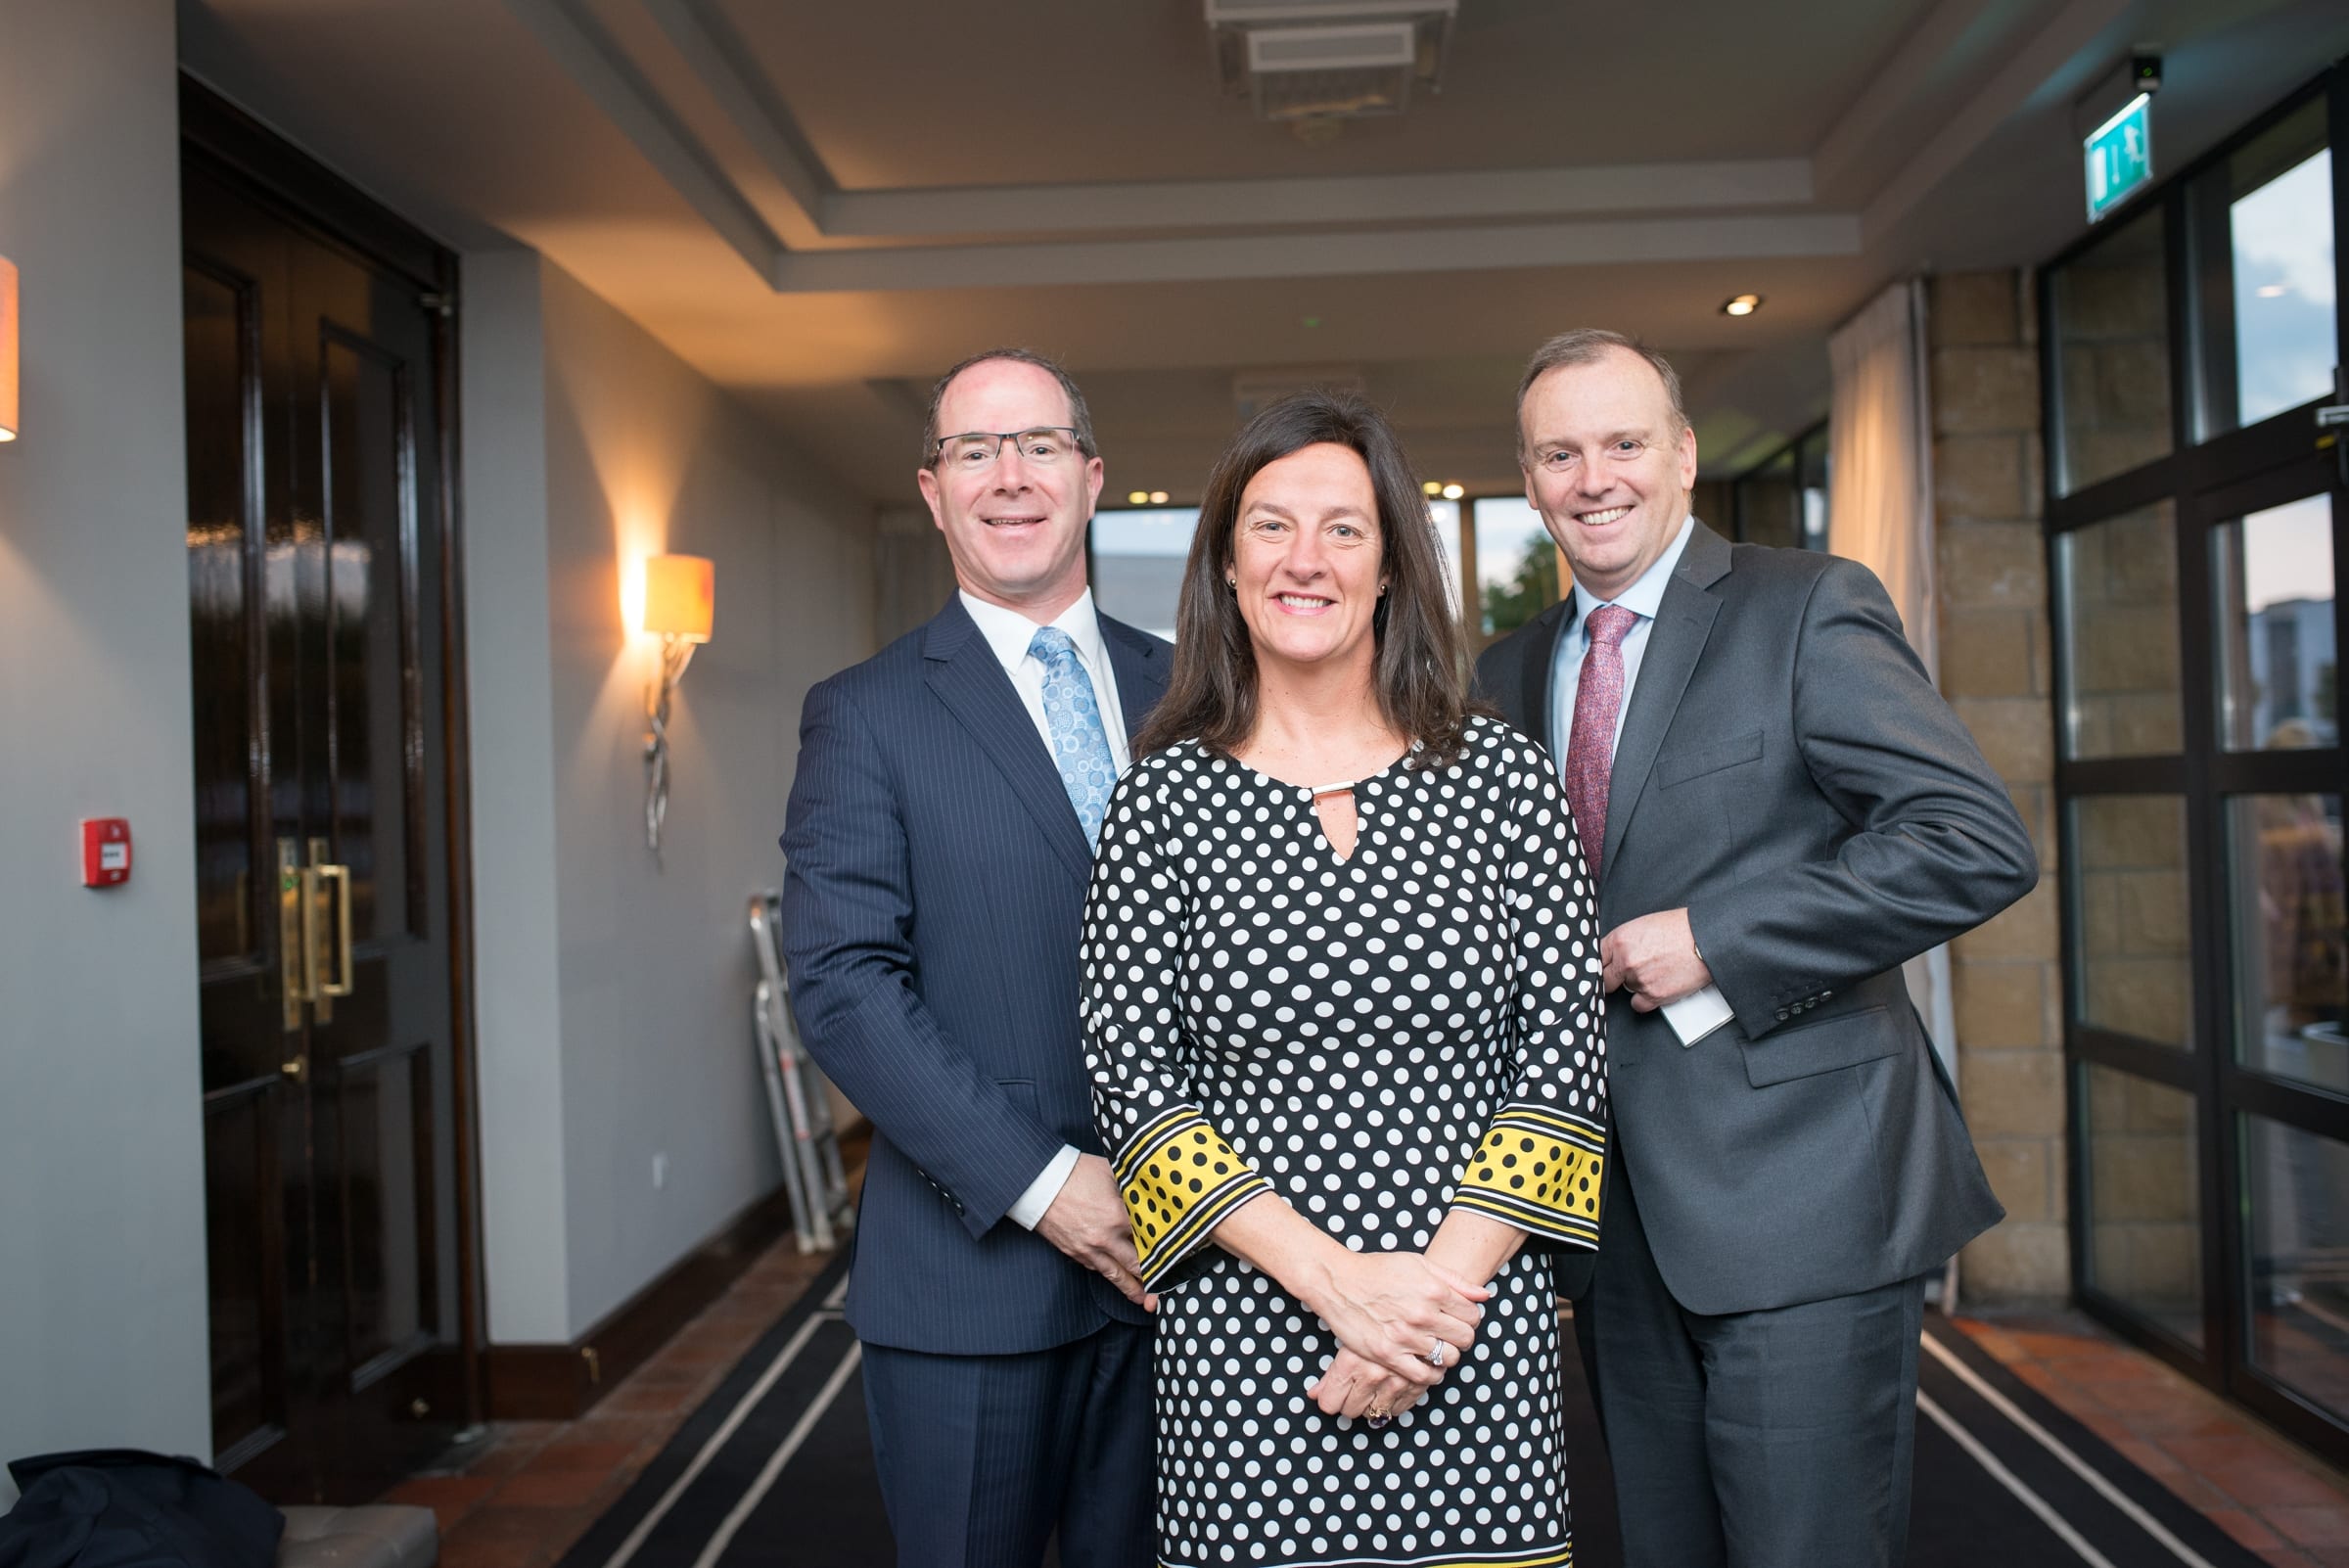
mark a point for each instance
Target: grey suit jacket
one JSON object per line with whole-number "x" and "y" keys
{"x": 1787, "y": 773}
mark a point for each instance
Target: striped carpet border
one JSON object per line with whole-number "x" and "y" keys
{"x": 690, "y": 1506}
{"x": 2082, "y": 1500}
{"x": 774, "y": 1468}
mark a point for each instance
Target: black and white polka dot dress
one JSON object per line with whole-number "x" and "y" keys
{"x": 1377, "y": 1040}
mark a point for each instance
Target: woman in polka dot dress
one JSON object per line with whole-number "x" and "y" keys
{"x": 1342, "y": 1003}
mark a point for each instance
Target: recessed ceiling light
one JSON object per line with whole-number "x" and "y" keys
{"x": 1431, "y": 489}
{"x": 1743, "y": 304}
{"x": 1158, "y": 497}
{"x": 1137, "y": 497}
{"x": 1452, "y": 492}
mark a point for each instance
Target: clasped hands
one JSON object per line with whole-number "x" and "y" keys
{"x": 1388, "y": 1311}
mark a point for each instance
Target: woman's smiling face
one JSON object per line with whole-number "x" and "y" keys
{"x": 1307, "y": 558}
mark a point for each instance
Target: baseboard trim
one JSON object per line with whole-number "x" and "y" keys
{"x": 563, "y": 1382}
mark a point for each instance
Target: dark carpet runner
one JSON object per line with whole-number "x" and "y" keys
{"x": 775, "y": 1471}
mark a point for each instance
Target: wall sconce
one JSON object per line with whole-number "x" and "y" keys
{"x": 8, "y": 350}
{"x": 681, "y": 594}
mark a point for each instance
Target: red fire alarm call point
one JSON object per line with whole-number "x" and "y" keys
{"x": 105, "y": 851}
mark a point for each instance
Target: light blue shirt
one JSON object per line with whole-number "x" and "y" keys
{"x": 1642, "y": 598}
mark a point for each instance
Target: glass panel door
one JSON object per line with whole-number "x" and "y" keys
{"x": 2198, "y": 517}
{"x": 2296, "y": 1192}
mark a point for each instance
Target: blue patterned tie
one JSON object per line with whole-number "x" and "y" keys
{"x": 1079, "y": 745}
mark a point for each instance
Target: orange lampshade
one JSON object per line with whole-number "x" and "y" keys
{"x": 681, "y": 596}
{"x": 8, "y": 350}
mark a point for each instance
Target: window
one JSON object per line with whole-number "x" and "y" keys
{"x": 2277, "y": 659}
{"x": 2111, "y": 332}
{"x": 2263, "y": 227}
{"x": 2194, "y": 540}
{"x": 1139, "y": 557}
{"x": 2116, "y": 603}
{"x": 2296, "y": 1191}
{"x": 1517, "y": 564}
{"x": 1783, "y": 501}
{"x": 2144, "y": 1209}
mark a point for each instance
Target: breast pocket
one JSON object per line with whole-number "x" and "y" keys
{"x": 1685, "y": 762}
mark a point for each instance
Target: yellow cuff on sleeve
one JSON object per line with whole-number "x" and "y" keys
{"x": 1540, "y": 1171}
{"x": 1179, "y": 1178}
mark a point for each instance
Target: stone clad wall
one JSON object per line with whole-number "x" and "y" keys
{"x": 1996, "y": 671}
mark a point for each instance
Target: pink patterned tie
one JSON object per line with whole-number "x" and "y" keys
{"x": 1590, "y": 746}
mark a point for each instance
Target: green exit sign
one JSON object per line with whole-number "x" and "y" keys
{"x": 2120, "y": 157}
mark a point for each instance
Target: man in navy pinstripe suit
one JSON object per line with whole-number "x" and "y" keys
{"x": 940, "y": 837}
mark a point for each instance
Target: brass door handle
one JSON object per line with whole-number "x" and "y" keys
{"x": 339, "y": 875}
{"x": 294, "y": 927}
{"x": 311, "y": 980}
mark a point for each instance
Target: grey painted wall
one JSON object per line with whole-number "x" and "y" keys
{"x": 616, "y": 988}
{"x": 518, "y": 1007}
{"x": 913, "y": 572}
{"x": 102, "y": 1291}
{"x": 614, "y": 993}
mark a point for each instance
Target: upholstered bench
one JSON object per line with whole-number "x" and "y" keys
{"x": 382, "y": 1536}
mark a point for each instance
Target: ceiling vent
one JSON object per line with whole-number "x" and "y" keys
{"x": 1315, "y": 64}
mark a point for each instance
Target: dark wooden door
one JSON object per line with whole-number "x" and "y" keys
{"x": 323, "y": 763}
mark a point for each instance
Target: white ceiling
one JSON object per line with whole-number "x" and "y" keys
{"x": 820, "y": 207}
{"x": 1126, "y": 93}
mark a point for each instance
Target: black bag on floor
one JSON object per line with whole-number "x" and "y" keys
{"x": 123, "y": 1508}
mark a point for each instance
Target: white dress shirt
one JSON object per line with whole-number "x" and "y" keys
{"x": 1642, "y": 598}
{"x": 1008, "y": 634}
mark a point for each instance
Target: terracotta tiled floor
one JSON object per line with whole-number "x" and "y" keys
{"x": 533, "y": 1489}
{"x": 2287, "y": 1506}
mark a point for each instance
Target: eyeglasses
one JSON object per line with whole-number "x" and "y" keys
{"x": 975, "y": 449}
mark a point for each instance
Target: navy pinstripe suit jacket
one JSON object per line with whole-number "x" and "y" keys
{"x": 932, "y": 907}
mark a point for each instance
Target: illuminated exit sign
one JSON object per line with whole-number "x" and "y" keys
{"x": 2120, "y": 157}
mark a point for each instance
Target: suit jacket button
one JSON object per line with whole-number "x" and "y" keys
{"x": 1782, "y": 1015}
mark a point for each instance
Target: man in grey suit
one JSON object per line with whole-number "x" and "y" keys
{"x": 1779, "y": 806}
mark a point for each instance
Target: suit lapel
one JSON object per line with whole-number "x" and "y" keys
{"x": 1540, "y": 662}
{"x": 1140, "y": 664}
{"x": 962, "y": 670}
{"x": 1684, "y": 620}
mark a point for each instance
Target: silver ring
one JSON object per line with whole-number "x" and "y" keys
{"x": 1435, "y": 1358}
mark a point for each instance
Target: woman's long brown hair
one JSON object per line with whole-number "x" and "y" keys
{"x": 1421, "y": 670}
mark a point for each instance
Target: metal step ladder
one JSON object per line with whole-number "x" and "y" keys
{"x": 795, "y": 1095}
